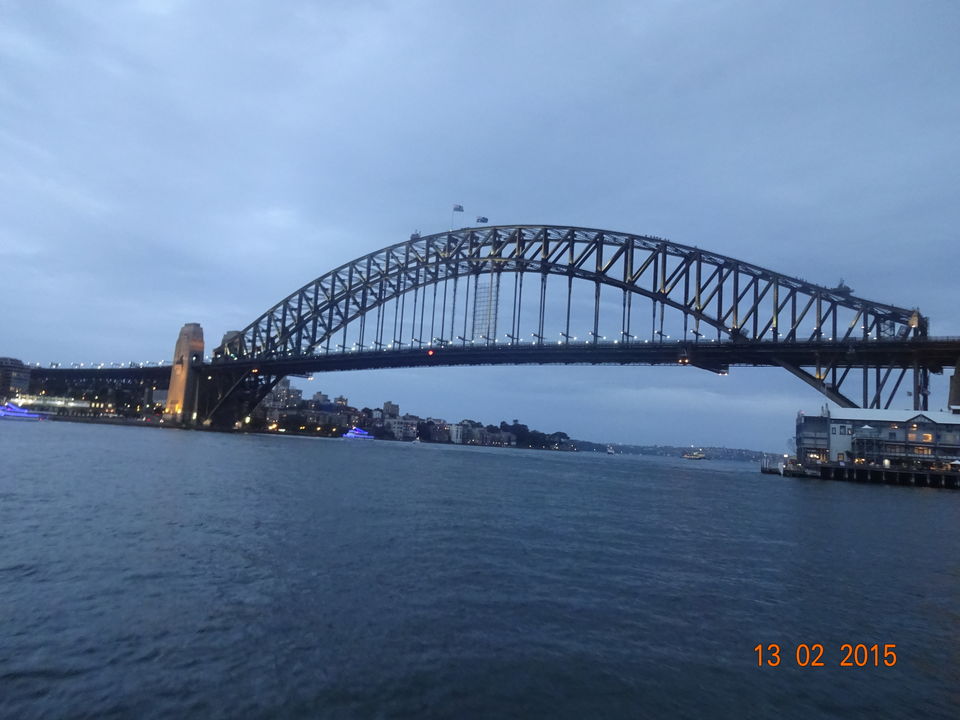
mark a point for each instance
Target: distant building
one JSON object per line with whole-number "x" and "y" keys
{"x": 404, "y": 428}
{"x": 14, "y": 377}
{"x": 320, "y": 398}
{"x": 154, "y": 398}
{"x": 283, "y": 396}
{"x": 341, "y": 401}
{"x": 391, "y": 410}
{"x": 888, "y": 438}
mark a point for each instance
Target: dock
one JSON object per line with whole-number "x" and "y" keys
{"x": 854, "y": 472}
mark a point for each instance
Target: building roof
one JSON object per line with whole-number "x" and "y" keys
{"x": 874, "y": 415}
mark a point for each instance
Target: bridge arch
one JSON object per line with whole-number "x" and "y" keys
{"x": 732, "y": 298}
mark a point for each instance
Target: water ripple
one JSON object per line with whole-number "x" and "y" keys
{"x": 320, "y": 579}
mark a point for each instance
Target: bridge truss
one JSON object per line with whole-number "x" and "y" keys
{"x": 560, "y": 292}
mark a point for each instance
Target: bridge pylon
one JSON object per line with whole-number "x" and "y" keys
{"x": 181, "y": 405}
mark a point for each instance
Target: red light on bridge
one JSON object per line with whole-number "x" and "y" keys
{"x": 430, "y": 352}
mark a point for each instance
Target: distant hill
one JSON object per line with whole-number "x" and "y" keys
{"x": 714, "y": 453}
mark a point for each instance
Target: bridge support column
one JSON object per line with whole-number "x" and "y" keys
{"x": 182, "y": 396}
{"x": 227, "y": 397}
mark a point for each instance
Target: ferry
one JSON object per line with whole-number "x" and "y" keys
{"x": 610, "y": 450}
{"x": 695, "y": 455}
{"x": 356, "y": 433}
{"x": 9, "y": 411}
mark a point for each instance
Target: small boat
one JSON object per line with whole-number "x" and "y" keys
{"x": 416, "y": 441}
{"x": 356, "y": 433}
{"x": 9, "y": 411}
{"x": 695, "y": 455}
{"x": 610, "y": 450}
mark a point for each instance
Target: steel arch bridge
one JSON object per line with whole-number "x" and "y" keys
{"x": 556, "y": 294}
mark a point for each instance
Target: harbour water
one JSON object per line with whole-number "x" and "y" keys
{"x": 152, "y": 573}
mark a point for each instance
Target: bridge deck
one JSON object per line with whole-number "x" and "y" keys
{"x": 931, "y": 353}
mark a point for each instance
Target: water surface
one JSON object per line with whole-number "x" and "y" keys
{"x": 162, "y": 573}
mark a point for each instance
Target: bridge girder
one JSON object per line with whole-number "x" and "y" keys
{"x": 734, "y": 298}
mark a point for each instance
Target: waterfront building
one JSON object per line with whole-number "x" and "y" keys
{"x": 14, "y": 377}
{"x": 886, "y": 438}
{"x": 404, "y": 428}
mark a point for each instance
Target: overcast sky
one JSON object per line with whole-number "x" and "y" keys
{"x": 164, "y": 162}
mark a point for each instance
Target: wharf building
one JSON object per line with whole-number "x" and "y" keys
{"x": 888, "y": 439}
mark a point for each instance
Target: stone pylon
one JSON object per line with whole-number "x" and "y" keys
{"x": 182, "y": 395}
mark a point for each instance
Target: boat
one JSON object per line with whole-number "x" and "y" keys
{"x": 9, "y": 411}
{"x": 416, "y": 441}
{"x": 695, "y": 455}
{"x": 610, "y": 450}
{"x": 356, "y": 433}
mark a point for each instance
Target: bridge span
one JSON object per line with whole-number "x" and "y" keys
{"x": 562, "y": 295}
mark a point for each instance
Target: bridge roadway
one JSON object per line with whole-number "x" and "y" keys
{"x": 933, "y": 354}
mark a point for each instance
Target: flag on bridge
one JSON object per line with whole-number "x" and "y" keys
{"x": 482, "y": 219}
{"x": 458, "y": 208}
